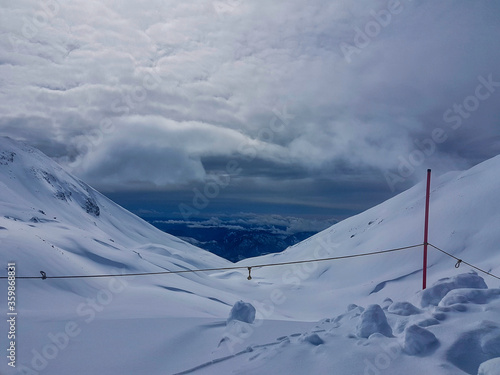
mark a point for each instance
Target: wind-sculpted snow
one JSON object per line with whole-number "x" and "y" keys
{"x": 434, "y": 294}
{"x": 373, "y": 320}
{"x": 491, "y": 367}
{"x": 476, "y": 296}
{"x": 476, "y": 345}
{"x": 403, "y": 308}
{"x": 418, "y": 340}
{"x": 242, "y": 311}
{"x": 367, "y": 334}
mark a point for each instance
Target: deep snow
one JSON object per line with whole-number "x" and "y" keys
{"x": 356, "y": 316}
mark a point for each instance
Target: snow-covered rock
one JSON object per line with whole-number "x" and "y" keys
{"x": 313, "y": 339}
{"x": 386, "y": 303}
{"x": 434, "y": 294}
{"x": 419, "y": 341}
{"x": 476, "y": 296}
{"x": 491, "y": 367}
{"x": 475, "y": 346}
{"x": 404, "y": 309}
{"x": 373, "y": 320}
{"x": 243, "y": 312}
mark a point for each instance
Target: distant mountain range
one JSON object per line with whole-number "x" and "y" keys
{"x": 233, "y": 242}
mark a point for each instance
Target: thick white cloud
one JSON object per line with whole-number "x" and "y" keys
{"x": 132, "y": 94}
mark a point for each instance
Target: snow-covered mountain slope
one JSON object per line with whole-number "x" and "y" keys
{"x": 464, "y": 221}
{"x": 352, "y": 316}
{"x": 456, "y": 332}
{"x": 52, "y": 222}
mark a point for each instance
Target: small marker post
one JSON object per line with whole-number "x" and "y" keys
{"x": 426, "y": 228}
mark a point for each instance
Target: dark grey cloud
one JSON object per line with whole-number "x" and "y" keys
{"x": 162, "y": 96}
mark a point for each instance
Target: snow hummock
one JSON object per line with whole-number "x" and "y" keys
{"x": 491, "y": 367}
{"x": 355, "y": 316}
{"x": 434, "y": 294}
{"x": 478, "y": 344}
{"x": 373, "y": 320}
{"x": 242, "y": 311}
{"x": 312, "y": 338}
{"x": 403, "y": 308}
{"x": 477, "y": 296}
{"x": 418, "y": 340}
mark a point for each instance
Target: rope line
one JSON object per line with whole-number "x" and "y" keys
{"x": 45, "y": 276}
{"x": 249, "y": 268}
{"x": 460, "y": 261}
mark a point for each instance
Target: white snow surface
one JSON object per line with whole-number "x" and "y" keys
{"x": 491, "y": 367}
{"x": 352, "y": 316}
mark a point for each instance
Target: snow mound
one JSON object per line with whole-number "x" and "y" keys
{"x": 419, "y": 341}
{"x": 387, "y": 302}
{"x": 475, "y": 346}
{"x": 352, "y": 306}
{"x": 373, "y": 320}
{"x": 313, "y": 339}
{"x": 475, "y": 296}
{"x": 491, "y": 367}
{"x": 243, "y": 312}
{"x": 404, "y": 309}
{"x": 434, "y": 294}
{"x": 389, "y": 342}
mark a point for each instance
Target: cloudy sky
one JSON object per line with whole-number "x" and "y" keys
{"x": 317, "y": 108}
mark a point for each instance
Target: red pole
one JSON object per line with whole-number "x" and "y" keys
{"x": 426, "y": 229}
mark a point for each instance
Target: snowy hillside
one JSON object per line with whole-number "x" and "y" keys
{"x": 52, "y": 222}
{"x": 464, "y": 220}
{"x": 352, "y": 316}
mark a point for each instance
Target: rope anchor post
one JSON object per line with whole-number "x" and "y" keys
{"x": 426, "y": 228}
{"x": 249, "y": 273}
